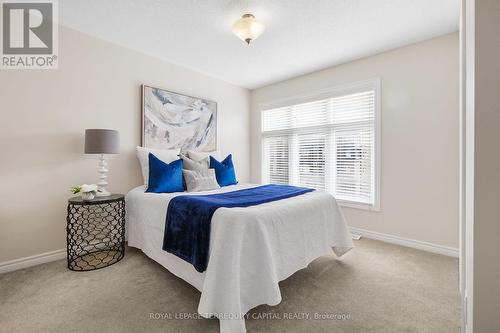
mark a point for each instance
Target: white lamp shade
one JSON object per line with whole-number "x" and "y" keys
{"x": 248, "y": 28}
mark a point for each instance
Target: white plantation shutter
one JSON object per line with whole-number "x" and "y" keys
{"x": 311, "y": 150}
{"x": 277, "y": 120}
{"x": 327, "y": 144}
{"x": 276, "y": 156}
{"x": 354, "y": 164}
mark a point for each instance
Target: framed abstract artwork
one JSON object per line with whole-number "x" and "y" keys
{"x": 171, "y": 120}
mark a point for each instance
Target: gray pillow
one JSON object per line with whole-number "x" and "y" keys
{"x": 196, "y": 181}
{"x": 199, "y": 155}
{"x": 190, "y": 164}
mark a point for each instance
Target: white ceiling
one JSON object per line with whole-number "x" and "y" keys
{"x": 302, "y": 36}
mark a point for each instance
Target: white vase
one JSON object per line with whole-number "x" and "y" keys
{"x": 88, "y": 196}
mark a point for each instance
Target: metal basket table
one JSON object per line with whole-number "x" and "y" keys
{"x": 95, "y": 232}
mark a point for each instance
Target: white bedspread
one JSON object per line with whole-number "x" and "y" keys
{"x": 251, "y": 249}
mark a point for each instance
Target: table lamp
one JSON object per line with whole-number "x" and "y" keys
{"x": 102, "y": 141}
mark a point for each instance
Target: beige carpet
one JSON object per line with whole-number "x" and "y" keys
{"x": 377, "y": 287}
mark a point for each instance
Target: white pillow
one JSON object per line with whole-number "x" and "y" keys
{"x": 196, "y": 181}
{"x": 166, "y": 155}
{"x": 199, "y": 155}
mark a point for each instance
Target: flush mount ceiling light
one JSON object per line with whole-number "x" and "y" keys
{"x": 248, "y": 28}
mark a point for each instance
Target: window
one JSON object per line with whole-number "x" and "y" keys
{"x": 328, "y": 141}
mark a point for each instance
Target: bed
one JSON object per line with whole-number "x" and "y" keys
{"x": 251, "y": 249}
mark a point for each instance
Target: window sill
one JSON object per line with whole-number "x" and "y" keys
{"x": 358, "y": 205}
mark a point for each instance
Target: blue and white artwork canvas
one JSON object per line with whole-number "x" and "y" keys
{"x": 172, "y": 120}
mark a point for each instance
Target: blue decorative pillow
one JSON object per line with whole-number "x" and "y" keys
{"x": 163, "y": 177}
{"x": 224, "y": 171}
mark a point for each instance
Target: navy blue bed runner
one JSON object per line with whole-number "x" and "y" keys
{"x": 187, "y": 226}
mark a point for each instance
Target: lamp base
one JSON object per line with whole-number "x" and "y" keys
{"x": 102, "y": 193}
{"x": 103, "y": 170}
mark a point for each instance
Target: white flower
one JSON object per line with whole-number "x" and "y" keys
{"x": 88, "y": 188}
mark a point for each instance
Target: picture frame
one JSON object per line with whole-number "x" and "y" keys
{"x": 171, "y": 120}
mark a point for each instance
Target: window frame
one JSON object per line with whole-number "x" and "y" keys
{"x": 331, "y": 92}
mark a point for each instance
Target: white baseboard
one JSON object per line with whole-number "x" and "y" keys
{"x": 416, "y": 244}
{"x": 13, "y": 265}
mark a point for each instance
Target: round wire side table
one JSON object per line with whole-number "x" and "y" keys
{"x": 95, "y": 232}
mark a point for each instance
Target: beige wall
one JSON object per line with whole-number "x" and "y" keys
{"x": 44, "y": 114}
{"x": 487, "y": 168}
{"x": 420, "y": 131}
{"x": 97, "y": 84}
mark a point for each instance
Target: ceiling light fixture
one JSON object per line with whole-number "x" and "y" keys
{"x": 248, "y": 28}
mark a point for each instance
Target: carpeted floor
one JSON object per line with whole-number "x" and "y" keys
{"x": 378, "y": 287}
